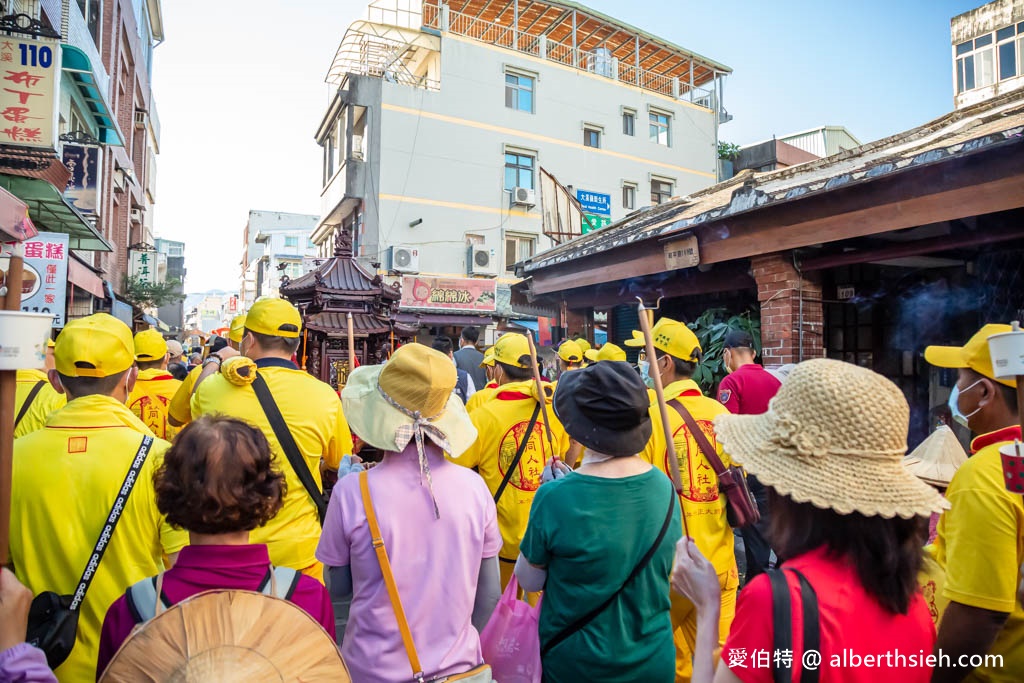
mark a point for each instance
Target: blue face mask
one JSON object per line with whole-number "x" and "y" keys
{"x": 645, "y": 373}
{"x": 954, "y": 404}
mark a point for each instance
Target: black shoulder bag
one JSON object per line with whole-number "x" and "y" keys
{"x": 582, "y": 622}
{"x": 53, "y": 618}
{"x": 782, "y": 624}
{"x": 527, "y": 435}
{"x": 288, "y": 445}
{"x": 28, "y": 402}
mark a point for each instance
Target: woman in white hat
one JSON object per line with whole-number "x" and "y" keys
{"x": 851, "y": 522}
{"x": 415, "y": 540}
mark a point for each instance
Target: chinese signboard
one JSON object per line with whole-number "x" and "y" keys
{"x": 682, "y": 253}
{"x": 45, "y": 284}
{"x": 83, "y": 187}
{"x": 143, "y": 266}
{"x": 29, "y": 74}
{"x": 597, "y": 207}
{"x": 597, "y": 221}
{"x": 451, "y": 294}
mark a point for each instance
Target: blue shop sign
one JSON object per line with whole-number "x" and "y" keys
{"x": 595, "y": 202}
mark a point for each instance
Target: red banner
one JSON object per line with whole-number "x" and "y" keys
{"x": 449, "y": 294}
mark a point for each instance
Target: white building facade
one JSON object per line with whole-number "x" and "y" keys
{"x": 276, "y": 244}
{"x": 988, "y": 51}
{"x": 443, "y": 116}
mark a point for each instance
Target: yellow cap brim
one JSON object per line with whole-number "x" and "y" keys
{"x": 590, "y": 354}
{"x": 945, "y": 356}
{"x": 487, "y": 362}
{"x": 635, "y": 342}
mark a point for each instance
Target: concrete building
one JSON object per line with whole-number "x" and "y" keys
{"x": 988, "y": 51}
{"x": 790, "y": 150}
{"x": 443, "y": 114}
{"x": 173, "y": 261}
{"x": 276, "y": 244}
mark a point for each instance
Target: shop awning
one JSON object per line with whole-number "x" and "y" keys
{"x": 84, "y": 278}
{"x": 14, "y": 222}
{"x": 51, "y": 213}
{"x": 77, "y": 65}
{"x": 155, "y": 322}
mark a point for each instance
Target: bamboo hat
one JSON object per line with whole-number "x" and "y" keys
{"x": 937, "y": 459}
{"x": 229, "y": 636}
{"x": 834, "y": 436}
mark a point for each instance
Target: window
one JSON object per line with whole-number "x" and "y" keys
{"x": 990, "y": 58}
{"x": 518, "y": 170}
{"x": 290, "y": 242}
{"x": 518, "y": 248}
{"x": 519, "y": 92}
{"x": 661, "y": 128}
{"x": 628, "y": 122}
{"x": 661, "y": 191}
{"x": 92, "y": 10}
{"x": 628, "y": 196}
{"x": 293, "y": 270}
{"x": 591, "y": 137}
{"x": 310, "y": 244}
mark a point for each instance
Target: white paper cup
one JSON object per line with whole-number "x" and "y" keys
{"x": 1007, "y": 351}
{"x": 23, "y": 338}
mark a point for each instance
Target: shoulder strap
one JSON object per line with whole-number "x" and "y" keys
{"x": 582, "y": 622}
{"x": 389, "y": 578}
{"x": 812, "y": 626}
{"x": 108, "y": 527}
{"x": 280, "y": 582}
{"x": 703, "y": 444}
{"x": 288, "y": 445}
{"x": 782, "y": 623}
{"x": 33, "y": 392}
{"x": 527, "y": 435}
{"x": 141, "y": 599}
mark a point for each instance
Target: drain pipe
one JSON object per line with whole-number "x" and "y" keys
{"x": 800, "y": 316}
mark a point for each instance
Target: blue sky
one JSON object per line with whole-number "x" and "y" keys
{"x": 239, "y": 89}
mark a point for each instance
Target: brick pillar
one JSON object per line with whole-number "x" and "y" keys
{"x": 780, "y": 288}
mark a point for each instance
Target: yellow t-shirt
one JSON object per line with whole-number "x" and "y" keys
{"x": 501, "y": 423}
{"x": 312, "y": 411}
{"x": 481, "y": 397}
{"x": 46, "y": 401}
{"x": 180, "y": 407}
{"x": 701, "y": 503}
{"x": 66, "y": 477}
{"x": 150, "y": 400}
{"x": 932, "y": 580}
{"x": 981, "y": 547}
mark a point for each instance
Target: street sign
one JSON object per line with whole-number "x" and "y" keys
{"x": 45, "y": 284}
{"x": 595, "y": 202}
{"x": 598, "y": 222}
{"x": 683, "y": 253}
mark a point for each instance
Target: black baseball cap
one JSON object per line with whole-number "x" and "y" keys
{"x": 735, "y": 339}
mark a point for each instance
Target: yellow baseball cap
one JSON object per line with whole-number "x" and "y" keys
{"x": 50, "y": 343}
{"x": 672, "y": 337}
{"x": 584, "y": 344}
{"x": 488, "y": 360}
{"x": 149, "y": 346}
{"x": 974, "y": 354}
{"x": 608, "y": 351}
{"x": 510, "y": 348}
{"x": 274, "y": 317}
{"x": 570, "y": 351}
{"x": 237, "y": 330}
{"x": 99, "y": 345}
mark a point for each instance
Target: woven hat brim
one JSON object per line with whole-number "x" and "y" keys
{"x": 872, "y": 486}
{"x": 375, "y": 421}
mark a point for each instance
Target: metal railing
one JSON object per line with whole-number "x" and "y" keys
{"x": 365, "y": 54}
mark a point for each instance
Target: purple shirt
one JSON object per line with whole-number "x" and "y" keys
{"x": 213, "y": 567}
{"x": 436, "y": 563}
{"x": 24, "y": 664}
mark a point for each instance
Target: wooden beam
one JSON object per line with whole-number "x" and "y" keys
{"x": 557, "y": 22}
{"x": 483, "y": 9}
{"x": 537, "y": 20}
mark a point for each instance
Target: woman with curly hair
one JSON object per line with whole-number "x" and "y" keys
{"x": 217, "y": 482}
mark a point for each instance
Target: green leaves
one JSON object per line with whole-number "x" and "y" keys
{"x": 151, "y": 295}
{"x": 711, "y": 328}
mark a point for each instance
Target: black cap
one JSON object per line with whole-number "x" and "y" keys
{"x": 735, "y": 339}
{"x": 604, "y": 407}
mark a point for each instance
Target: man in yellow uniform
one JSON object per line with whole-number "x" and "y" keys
{"x": 179, "y": 412}
{"x": 980, "y": 542}
{"x": 34, "y": 398}
{"x": 67, "y": 476}
{"x": 481, "y": 396}
{"x": 570, "y": 356}
{"x": 678, "y": 353}
{"x": 502, "y": 423}
{"x": 312, "y": 413}
{"x": 155, "y": 387}
{"x": 608, "y": 351}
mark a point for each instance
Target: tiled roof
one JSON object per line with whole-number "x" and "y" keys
{"x": 336, "y": 322}
{"x": 339, "y": 274}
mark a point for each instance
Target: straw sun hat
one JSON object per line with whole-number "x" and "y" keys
{"x": 937, "y": 459}
{"x": 834, "y": 436}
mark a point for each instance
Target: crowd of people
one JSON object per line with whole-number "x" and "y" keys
{"x": 145, "y": 486}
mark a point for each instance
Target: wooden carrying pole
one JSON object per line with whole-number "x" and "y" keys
{"x": 8, "y": 384}
{"x": 540, "y": 395}
{"x": 659, "y": 391}
{"x": 351, "y": 345}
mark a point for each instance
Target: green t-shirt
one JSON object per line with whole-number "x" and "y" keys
{"x": 590, "y": 533}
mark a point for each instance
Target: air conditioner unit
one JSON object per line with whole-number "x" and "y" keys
{"x": 524, "y": 196}
{"x": 140, "y": 119}
{"x": 480, "y": 261}
{"x": 405, "y": 259}
{"x": 136, "y": 215}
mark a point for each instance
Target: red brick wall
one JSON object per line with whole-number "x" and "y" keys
{"x": 779, "y": 290}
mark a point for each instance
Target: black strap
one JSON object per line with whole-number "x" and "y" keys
{"x": 527, "y": 435}
{"x": 582, "y": 622}
{"x": 108, "y": 528}
{"x": 288, "y": 445}
{"x": 782, "y": 624}
{"x": 28, "y": 402}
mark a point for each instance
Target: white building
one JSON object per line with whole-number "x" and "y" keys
{"x": 442, "y": 116}
{"x": 276, "y": 244}
{"x": 988, "y": 51}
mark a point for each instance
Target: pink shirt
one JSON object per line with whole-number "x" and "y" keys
{"x": 436, "y": 563}
{"x": 213, "y": 567}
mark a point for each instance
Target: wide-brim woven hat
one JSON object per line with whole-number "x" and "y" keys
{"x": 937, "y": 458}
{"x": 834, "y": 436}
{"x": 230, "y": 637}
{"x": 418, "y": 378}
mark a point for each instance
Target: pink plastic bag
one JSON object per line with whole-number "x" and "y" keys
{"x": 510, "y": 641}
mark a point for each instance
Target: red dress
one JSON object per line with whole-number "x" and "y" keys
{"x": 854, "y": 626}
